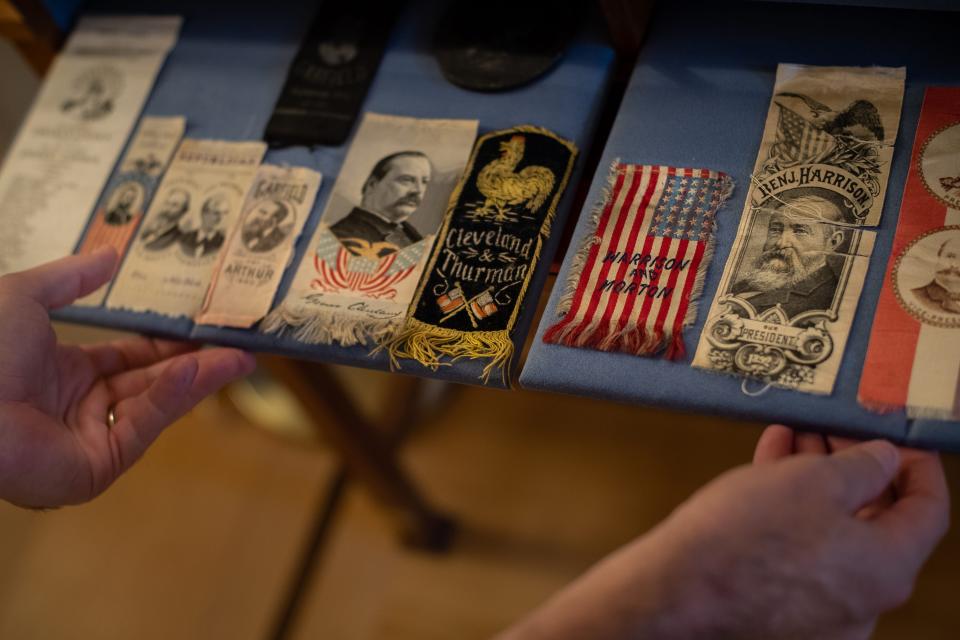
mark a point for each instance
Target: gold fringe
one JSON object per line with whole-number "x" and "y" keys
{"x": 427, "y": 343}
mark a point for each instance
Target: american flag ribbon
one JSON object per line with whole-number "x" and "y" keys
{"x": 635, "y": 280}
{"x": 101, "y": 233}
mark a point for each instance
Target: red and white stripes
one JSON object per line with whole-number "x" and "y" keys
{"x": 644, "y": 261}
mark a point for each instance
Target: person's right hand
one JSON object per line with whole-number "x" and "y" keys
{"x": 815, "y": 540}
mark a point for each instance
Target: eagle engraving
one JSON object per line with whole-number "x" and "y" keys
{"x": 503, "y": 186}
{"x": 810, "y": 132}
{"x": 859, "y": 120}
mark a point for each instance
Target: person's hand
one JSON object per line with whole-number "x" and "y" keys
{"x": 815, "y": 540}
{"x": 56, "y": 447}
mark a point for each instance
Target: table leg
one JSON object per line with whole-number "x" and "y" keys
{"x": 367, "y": 451}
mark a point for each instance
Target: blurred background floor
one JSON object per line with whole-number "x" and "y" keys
{"x": 202, "y": 539}
{"x": 205, "y": 536}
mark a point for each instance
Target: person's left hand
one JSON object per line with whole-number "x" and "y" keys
{"x": 56, "y": 447}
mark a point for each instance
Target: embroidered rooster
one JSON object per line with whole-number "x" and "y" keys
{"x": 503, "y": 185}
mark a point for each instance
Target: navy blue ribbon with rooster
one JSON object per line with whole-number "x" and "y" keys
{"x": 486, "y": 252}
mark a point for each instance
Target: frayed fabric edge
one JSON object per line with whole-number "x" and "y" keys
{"x": 590, "y": 238}
{"x": 929, "y": 413}
{"x": 773, "y": 385}
{"x": 328, "y": 326}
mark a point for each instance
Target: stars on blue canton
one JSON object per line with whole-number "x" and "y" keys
{"x": 686, "y": 208}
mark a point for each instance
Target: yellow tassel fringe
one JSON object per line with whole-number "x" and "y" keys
{"x": 427, "y": 343}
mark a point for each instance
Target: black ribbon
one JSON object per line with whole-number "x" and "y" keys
{"x": 490, "y": 241}
{"x": 329, "y": 77}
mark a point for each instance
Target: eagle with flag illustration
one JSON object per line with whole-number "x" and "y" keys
{"x": 347, "y": 298}
{"x": 339, "y": 270}
{"x": 810, "y": 132}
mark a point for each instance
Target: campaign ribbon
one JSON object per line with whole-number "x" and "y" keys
{"x": 637, "y": 276}
{"x": 331, "y": 73}
{"x": 260, "y": 246}
{"x": 130, "y": 190}
{"x": 77, "y": 127}
{"x": 360, "y": 272}
{"x": 487, "y": 250}
{"x": 913, "y": 360}
{"x": 172, "y": 260}
{"x": 790, "y": 288}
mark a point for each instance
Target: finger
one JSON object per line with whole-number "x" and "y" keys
{"x": 862, "y": 472}
{"x": 775, "y": 442}
{"x": 839, "y": 443}
{"x": 811, "y": 443}
{"x": 883, "y": 501}
{"x": 921, "y": 514}
{"x": 134, "y": 353}
{"x": 182, "y": 384}
{"x": 58, "y": 283}
{"x": 135, "y": 381}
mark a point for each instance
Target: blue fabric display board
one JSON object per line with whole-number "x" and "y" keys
{"x": 225, "y": 75}
{"x": 698, "y": 98}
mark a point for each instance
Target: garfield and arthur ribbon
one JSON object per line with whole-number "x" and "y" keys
{"x": 486, "y": 252}
{"x": 913, "y": 361}
{"x": 260, "y": 246}
{"x": 635, "y": 280}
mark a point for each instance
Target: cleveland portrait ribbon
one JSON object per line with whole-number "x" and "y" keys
{"x": 487, "y": 250}
{"x": 636, "y": 278}
{"x": 361, "y": 268}
{"x": 913, "y": 360}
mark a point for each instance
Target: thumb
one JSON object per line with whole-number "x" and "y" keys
{"x": 58, "y": 283}
{"x": 863, "y": 472}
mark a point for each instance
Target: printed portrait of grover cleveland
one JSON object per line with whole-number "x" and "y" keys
{"x": 801, "y": 258}
{"x": 391, "y": 194}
